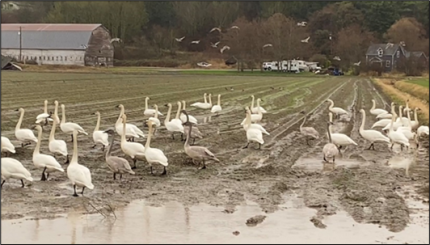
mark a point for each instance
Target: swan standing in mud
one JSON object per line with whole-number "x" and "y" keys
{"x": 99, "y": 136}
{"x": 376, "y": 111}
{"x": 68, "y": 127}
{"x": 254, "y": 110}
{"x": 78, "y": 174}
{"x": 131, "y": 130}
{"x": 117, "y": 165}
{"x": 255, "y": 118}
{"x": 45, "y": 116}
{"x": 217, "y": 108}
{"x": 197, "y": 153}
{"x": 336, "y": 110}
{"x": 156, "y": 122}
{"x": 415, "y": 123}
{"x": 131, "y": 149}
{"x": 397, "y": 137}
{"x": 7, "y": 146}
{"x": 329, "y": 150}
{"x": 308, "y": 132}
{"x": 57, "y": 146}
{"x": 371, "y": 135}
{"x": 173, "y": 125}
{"x": 252, "y": 134}
{"x": 339, "y": 139}
{"x": 24, "y": 135}
{"x": 13, "y": 169}
{"x": 150, "y": 112}
{"x": 184, "y": 118}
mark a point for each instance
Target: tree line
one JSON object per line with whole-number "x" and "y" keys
{"x": 340, "y": 28}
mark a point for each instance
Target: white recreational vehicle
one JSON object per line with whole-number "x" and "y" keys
{"x": 286, "y": 66}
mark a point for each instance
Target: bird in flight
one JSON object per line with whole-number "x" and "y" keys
{"x": 216, "y": 29}
{"x": 267, "y": 45}
{"x": 224, "y": 48}
{"x": 215, "y": 45}
{"x": 180, "y": 39}
{"x": 195, "y": 42}
{"x": 306, "y": 40}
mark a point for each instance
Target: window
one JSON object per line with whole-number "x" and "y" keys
{"x": 40, "y": 57}
{"x": 380, "y": 52}
{"x": 387, "y": 63}
{"x": 65, "y": 58}
{"x": 398, "y": 54}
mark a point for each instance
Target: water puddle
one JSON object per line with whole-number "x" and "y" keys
{"x": 174, "y": 223}
{"x": 318, "y": 165}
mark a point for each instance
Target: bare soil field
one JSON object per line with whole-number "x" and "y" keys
{"x": 360, "y": 183}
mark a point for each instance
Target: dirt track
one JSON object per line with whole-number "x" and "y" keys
{"x": 362, "y": 183}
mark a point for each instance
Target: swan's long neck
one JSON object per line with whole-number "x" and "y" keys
{"x": 45, "y": 109}
{"x": 156, "y": 112}
{"x": 123, "y": 131}
{"x": 330, "y": 115}
{"x": 184, "y": 105}
{"x": 252, "y": 102}
{"x": 363, "y": 120}
{"x": 204, "y": 97}
{"x": 98, "y": 123}
{"x": 51, "y": 135}
{"x": 219, "y": 100}
{"x": 392, "y": 123}
{"x": 374, "y": 105}
{"x": 409, "y": 118}
{"x": 18, "y": 125}
{"x": 303, "y": 123}
{"x": 146, "y": 103}
{"x": 75, "y": 148}
{"x": 415, "y": 115}
{"x": 210, "y": 99}
{"x": 39, "y": 139}
{"x": 400, "y": 112}
{"x": 110, "y": 147}
{"x": 63, "y": 116}
{"x": 167, "y": 119}
{"x": 120, "y": 116}
{"x": 258, "y": 107}
{"x": 187, "y": 144}
{"x": 248, "y": 119}
{"x": 331, "y": 104}
{"x": 179, "y": 110}
{"x": 148, "y": 141}
{"x": 329, "y": 134}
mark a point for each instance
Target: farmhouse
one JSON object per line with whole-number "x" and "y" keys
{"x": 389, "y": 56}
{"x": 58, "y": 44}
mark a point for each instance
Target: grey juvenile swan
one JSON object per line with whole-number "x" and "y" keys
{"x": 308, "y": 132}
{"x": 117, "y": 165}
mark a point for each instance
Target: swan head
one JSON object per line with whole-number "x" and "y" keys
{"x": 259, "y": 100}
{"x": 168, "y": 105}
{"x": 109, "y": 131}
{"x": 147, "y": 98}
{"x": 417, "y": 109}
{"x": 252, "y": 96}
{"x": 156, "y": 107}
{"x": 46, "y": 102}
{"x": 20, "y": 109}
{"x": 63, "y": 106}
{"x": 149, "y": 123}
{"x": 362, "y": 110}
{"x": 38, "y": 127}
{"x": 96, "y": 113}
{"x": 119, "y": 106}
{"x": 56, "y": 102}
{"x": 184, "y": 111}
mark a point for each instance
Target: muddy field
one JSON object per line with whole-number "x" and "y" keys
{"x": 361, "y": 183}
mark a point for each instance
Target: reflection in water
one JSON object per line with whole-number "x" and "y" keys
{"x": 140, "y": 223}
{"x": 207, "y": 119}
{"x": 318, "y": 165}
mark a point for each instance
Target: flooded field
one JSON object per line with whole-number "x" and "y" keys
{"x": 366, "y": 194}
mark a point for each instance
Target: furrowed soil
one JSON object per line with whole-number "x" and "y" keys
{"x": 360, "y": 183}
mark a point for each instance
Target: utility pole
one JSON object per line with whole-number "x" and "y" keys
{"x": 20, "y": 43}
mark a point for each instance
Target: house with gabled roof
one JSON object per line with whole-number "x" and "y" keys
{"x": 58, "y": 44}
{"x": 389, "y": 56}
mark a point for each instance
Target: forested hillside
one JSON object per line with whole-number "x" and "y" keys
{"x": 149, "y": 29}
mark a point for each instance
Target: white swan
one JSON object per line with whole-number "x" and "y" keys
{"x": 339, "y": 139}
{"x": 415, "y": 124}
{"x": 150, "y": 112}
{"x": 400, "y": 121}
{"x": 397, "y": 137}
{"x": 423, "y": 131}
{"x": 44, "y": 116}
{"x": 13, "y": 169}
{"x": 371, "y": 135}
{"x": 77, "y": 173}
{"x": 6, "y": 145}
{"x": 47, "y": 162}
{"x": 406, "y": 109}
{"x": 254, "y": 110}
{"x": 202, "y": 105}
{"x": 57, "y": 146}
{"x": 178, "y": 113}
{"x": 384, "y": 116}
{"x": 68, "y": 127}
{"x": 308, "y": 131}
{"x": 99, "y": 136}
{"x": 375, "y": 111}
{"x": 256, "y": 126}
{"x": 155, "y": 120}
{"x": 131, "y": 131}
{"x": 154, "y": 155}
{"x": 217, "y": 108}
{"x": 252, "y": 134}
{"x": 255, "y": 117}
{"x": 172, "y": 126}
{"x": 131, "y": 149}
{"x": 184, "y": 118}
{"x": 336, "y": 110}
{"x": 24, "y": 135}
{"x": 407, "y": 129}
{"x": 330, "y": 150}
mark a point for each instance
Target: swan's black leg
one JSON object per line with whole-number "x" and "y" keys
{"x": 46, "y": 121}
{"x": 2, "y": 183}
{"x": 401, "y": 147}
{"x": 152, "y": 171}
{"x": 373, "y": 146}
{"x": 370, "y": 146}
{"x": 120, "y": 176}
{"x": 324, "y": 158}
{"x": 43, "y": 175}
{"x": 103, "y": 148}
{"x": 114, "y": 176}
{"x": 194, "y": 140}
{"x": 83, "y": 188}
{"x": 75, "y": 194}
{"x": 67, "y": 160}
{"x": 47, "y": 176}
{"x": 22, "y": 184}
{"x": 182, "y": 137}
{"x": 72, "y": 137}
{"x": 307, "y": 141}
{"x": 94, "y": 146}
{"x": 259, "y": 146}
{"x": 164, "y": 171}
{"x": 392, "y": 146}
{"x": 173, "y": 136}
{"x": 134, "y": 162}
{"x": 22, "y": 145}
{"x": 245, "y": 146}
{"x": 334, "y": 159}
{"x": 204, "y": 165}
